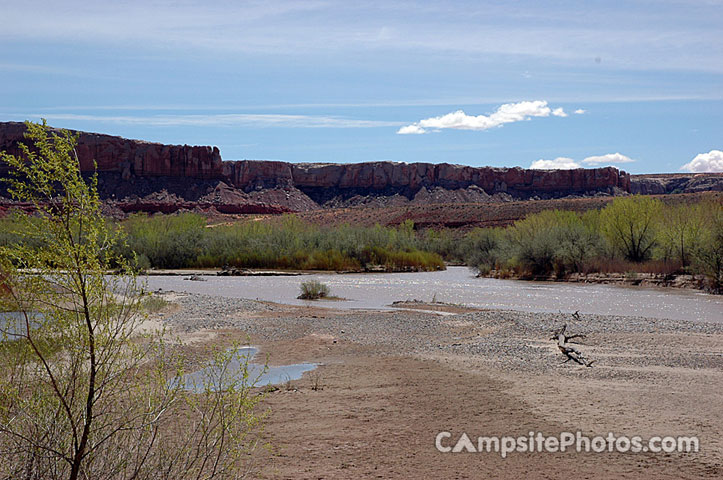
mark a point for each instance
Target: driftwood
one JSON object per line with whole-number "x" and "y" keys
{"x": 564, "y": 341}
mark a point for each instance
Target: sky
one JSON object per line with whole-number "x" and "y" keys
{"x": 542, "y": 84}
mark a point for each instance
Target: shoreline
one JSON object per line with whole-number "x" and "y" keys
{"x": 629, "y": 279}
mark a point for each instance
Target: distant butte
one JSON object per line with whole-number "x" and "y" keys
{"x": 142, "y": 176}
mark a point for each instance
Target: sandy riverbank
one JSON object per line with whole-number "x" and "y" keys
{"x": 392, "y": 380}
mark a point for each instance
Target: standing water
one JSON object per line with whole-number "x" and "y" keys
{"x": 241, "y": 368}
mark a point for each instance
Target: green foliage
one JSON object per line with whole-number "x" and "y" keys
{"x": 630, "y": 225}
{"x": 630, "y": 234}
{"x": 165, "y": 241}
{"x": 707, "y": 251}
{"x": 484, "y": 249}
{"x": 12, "y": 227}
{"x": 313, "y": 290}
{"x": 681, "y": 229}
{"x": 179, "y": 241}
{"x": 443, "y": 242}
{"x": 153, "y": 303}
{"x": 550, "y": 241}
{"x": 84, "y": 395}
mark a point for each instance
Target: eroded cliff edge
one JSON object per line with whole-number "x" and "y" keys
{"x": 139, "y": 175}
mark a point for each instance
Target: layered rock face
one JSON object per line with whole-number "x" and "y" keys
{"x": 414, "y": 176}
{"x": 129, "y": 157}
{"x": 132, "y": 169}
{"x": 659, "y": 184}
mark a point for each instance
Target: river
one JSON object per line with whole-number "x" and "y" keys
{"x": 458, "y": 285}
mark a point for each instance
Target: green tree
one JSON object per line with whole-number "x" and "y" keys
{"x": 483, "y": 249}
{"x": 707, "y": 254}
{"x": 680, "y": 231}
{"x": 630, "y": 225}
{"x": 83, "y": 394}
{"x": 552, "y": 240}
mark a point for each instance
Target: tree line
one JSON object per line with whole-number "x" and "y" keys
{"x": 630, "y": 234}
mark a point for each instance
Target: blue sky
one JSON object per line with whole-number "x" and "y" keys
{"x": 328, "y": 81}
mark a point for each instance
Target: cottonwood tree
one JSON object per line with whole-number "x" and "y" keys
{"x": 708, "y": 251}
{"x": 681, "y": 229}
{"x": 630, "y": 225}
{"x": 83, "y": 395}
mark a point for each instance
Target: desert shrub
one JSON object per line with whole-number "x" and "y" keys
{"x": 153, "y": 303}
{"x": 682, "y": 229}
{"x": 167, "y": 241}
{"x": 285, "y": 242}
{"x": 313, "y": 290}
{"x": 536, "y": 254}
{"x": 639, "y": 235}
{"x": 445, "y": 243}
{"x": 548, "y": 241}
{"x": 329, "y": 260}
{"x": 11, "y": 230}
{"x": 577, "y": 245}
{"x": 400, "y": 260}
{"x": 484, "y": 249}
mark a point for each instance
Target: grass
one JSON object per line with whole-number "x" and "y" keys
{"x": 153, "y": 304}
{"x": 316, "y": 384}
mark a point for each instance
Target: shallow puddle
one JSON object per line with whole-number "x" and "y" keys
{"x": 242, "y": 369}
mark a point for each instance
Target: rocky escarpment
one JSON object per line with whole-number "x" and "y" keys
{"x": 138, "y": 175}
{"x": 660, "y": 184}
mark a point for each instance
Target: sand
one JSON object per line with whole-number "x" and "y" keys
{"x": 388, "y": 382}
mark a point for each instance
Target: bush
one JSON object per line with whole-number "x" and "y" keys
{"x": 630, "y": 234}
{"x": 313, "y": 290}
{"x": 184, "y": 241}
{"x": 107, "y": 402}
{"x": 484, "y": 249}
{"x": 167, "y": 241}
{"x": 550, "y": 241}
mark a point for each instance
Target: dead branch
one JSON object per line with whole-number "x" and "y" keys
{"x": 564, "y": 341}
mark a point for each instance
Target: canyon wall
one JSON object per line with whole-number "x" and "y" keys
{"x": 670, "y": 183}
{"x": 132, "y": 159}
{"x": 129, "y": 157}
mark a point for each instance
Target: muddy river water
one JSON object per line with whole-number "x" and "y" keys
{"x": 458, "y": 285}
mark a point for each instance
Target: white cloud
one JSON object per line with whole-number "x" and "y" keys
{"x": 705, "y": 162}
{"x": 607, "y": 159}
{"x": 506, "y": 113}
{"x": 579, "y": 111}
{"x": 565, "y": 163}
{"x": 411, "y": 130}
{"x": 560, "y": 163}
{"x": 225, "y": 120}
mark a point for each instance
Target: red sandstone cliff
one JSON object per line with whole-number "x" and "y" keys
{"x": 129, "y": 157}
{"x": 193, "y": 170}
